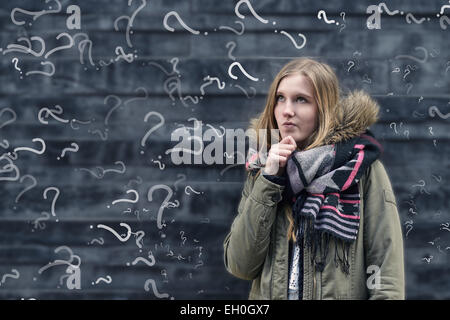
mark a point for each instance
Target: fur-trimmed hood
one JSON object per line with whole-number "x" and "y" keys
{"x": 354, "y": 114}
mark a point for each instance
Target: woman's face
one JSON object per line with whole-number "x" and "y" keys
{"x": 296, "y": 111}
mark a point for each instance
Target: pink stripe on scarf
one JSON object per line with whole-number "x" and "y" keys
{"x": 252, "y": 158}
{"x": 357, "y": 165}
{"x": 349, "y": 201}
{"x": 337, "y": 211}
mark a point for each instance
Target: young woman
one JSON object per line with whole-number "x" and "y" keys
{"x": 318, "y": 217}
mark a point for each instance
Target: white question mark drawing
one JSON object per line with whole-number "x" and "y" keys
{"x": 395, "y": 127}
{"x": 82, "y": 46}
{"x": 149, "y": 132}
{"x": 245, "y": 92}
{"x": 70, "y": 45}
{"x": 367, "y": 79}
{"x": 130, "y": 21}
{"x": 100, "y": 241}
{"x": 74, "y": 148}
{"x": 424, "y": 50}
{"x": 155, "y": 289}
{"x": 107, "y": 280}
{"x": 438, "y": 178}
{"x": 352, "y": 65}
{"x": 48, "y": 74}
{"x": 409, "y": 227}
{"x": 441, "y": 12}
{"x": 164, "y": 203}
{"x": 115, "y": 106}
{"x": 121, "y": 55}
{"x": 15, "y": 61}
{"x": 14, "y": 116}
{"x": 42, "y": 142}
{"x": 190, "y": 188}
{"x": 250, "y": 7}
{"x": 342, "y": 14}
{"x": 445, "y": 226}
{"x": 410, "y": 17}
{"x": 234, "y": 30}
{"x": 406, "y": 133}
{"x": 183, "y": 238}
{"x": 34, "y": 183}
{"x": 433, "y": 110}
{"x": 409, "y": 86}
{"x": 431, "y": 130}
{"x": 210, "y": 81}
{"x": 139, "y": 235}
{"x": 122, "y": 224}
{"x": 322, "y": 14}
{"x": 407, "y": 72}
{"x": 135, "y": 200}
{"x": 232, "y": 45}
{"x": 4, "y": 144}
{"x": 161, "y": 165}
{"x": 44, "y": 217}
{"x": 121, "y": 171}
{"x": 177, "y": 16}
{"x": 35, "y": 14}
{"x": 54, "y": 199}
{"x": 15, "y": 275}
{"x": 242, "y": 70}
{"x": 141, "y": 259}
{"x": 58, "y": 110}
{"x": 194, "y": 100}
{"x": 293, "y": 40}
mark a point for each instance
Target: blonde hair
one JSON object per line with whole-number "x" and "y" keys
{"x": 326, "y": 93}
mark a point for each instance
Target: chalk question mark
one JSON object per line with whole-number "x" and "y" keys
{"x": 250, "y": 7}
{"x": 322, "y": 14}
{"x": 74, "y": 148}
{"x": 352, "y": 65}
{"x": 242, "y": 70}
{"x": 149, "y": 132}
{"x": 128, "y": 200}
{"x": 108, "y": 280}
{"x": 34, "y": 183}
{"x": 164, "y": 203}
{"x": 15, "y": 275}
{"x": 54, "y": 199}
{"x": 155, "y": 289}
{"x": 190, "y": 188}
{"x": 15, "y": 61}
{"x": 122, "y": 239}
{"x": 177, "y": 16}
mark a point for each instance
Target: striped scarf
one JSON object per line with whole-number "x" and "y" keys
{"x": 324, "y": 185}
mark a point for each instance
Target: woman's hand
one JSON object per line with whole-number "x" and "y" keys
{"x": 278, "y": 155}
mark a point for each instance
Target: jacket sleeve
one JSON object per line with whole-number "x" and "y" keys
{"x": 383, "y": 239}
{"x": 246, "y": 245}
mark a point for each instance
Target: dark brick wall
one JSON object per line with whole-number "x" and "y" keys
{"x": 187, "y": 251}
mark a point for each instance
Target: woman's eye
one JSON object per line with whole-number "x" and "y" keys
{"x": 280, "y": 98}
{"x": 301, "y": 99}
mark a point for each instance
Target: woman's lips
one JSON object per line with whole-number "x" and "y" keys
{"x": 289, "y": 125}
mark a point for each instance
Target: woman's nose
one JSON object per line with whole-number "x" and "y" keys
{"x": 288, "y": 109}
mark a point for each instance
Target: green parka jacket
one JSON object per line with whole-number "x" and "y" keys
{"x": 257, "y": 246}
